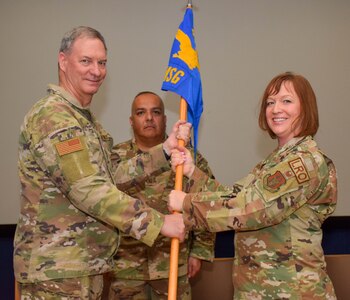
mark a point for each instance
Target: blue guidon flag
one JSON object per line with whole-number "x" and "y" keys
{"x": 182, "y": 75}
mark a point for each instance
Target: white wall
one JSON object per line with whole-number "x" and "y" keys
{"x": 242, "y": 45}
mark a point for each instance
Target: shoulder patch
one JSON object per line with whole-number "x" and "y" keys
{"x": 299, "y": 170}
{"x": 273, "y": 182}
{"x": 69, "y": 146}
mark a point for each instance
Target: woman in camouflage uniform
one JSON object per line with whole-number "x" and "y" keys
{"x": 278, "y": 209}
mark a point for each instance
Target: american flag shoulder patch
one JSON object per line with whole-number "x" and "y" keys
{"x": 69, "y": 146}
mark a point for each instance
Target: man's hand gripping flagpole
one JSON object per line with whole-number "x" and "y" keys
{"x": 174, "y": 251}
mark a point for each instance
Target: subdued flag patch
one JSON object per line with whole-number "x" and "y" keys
{"x": 69, "y": 146}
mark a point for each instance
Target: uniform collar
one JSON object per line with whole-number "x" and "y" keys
{"x": 295, "y": 141}
{"x": 135, "y": 148}
{"x": 53, "y": 88}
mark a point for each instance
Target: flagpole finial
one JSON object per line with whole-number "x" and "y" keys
{"x": 189, "y": 3}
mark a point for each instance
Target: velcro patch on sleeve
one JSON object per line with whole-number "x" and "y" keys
{"x": 273, "y": 182}
{"x": 69, "y": 146}
{"x": 299, "y": 170}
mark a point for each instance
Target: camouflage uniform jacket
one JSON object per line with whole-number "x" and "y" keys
{"x": 137, "y": 261}
{"x": 70, "y": 206}
{"x": 277, "y": 212}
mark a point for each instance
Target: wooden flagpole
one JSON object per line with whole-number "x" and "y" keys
{"x": 17, "y": 292}
{"x": 174, "y": 251}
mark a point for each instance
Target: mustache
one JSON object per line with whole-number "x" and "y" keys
{"x": 150, "y": 123}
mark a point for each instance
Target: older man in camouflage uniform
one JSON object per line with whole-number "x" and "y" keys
{"x": 142, "y": 271}
{"x": 71, "y": 210}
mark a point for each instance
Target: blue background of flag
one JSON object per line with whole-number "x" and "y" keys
{"x": 183, "y": 76}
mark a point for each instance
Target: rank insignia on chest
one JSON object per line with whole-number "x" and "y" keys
{"x": 69, "y": 146}
{"x": 273, "y": 182}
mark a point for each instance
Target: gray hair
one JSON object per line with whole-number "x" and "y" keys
{"x": 77, "y": 32}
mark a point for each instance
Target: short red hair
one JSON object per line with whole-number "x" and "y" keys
{"x": 308, "y": 119}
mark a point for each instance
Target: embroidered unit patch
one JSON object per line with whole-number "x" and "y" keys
{"x": 69, "y": 146}
{"x": 273, "y": 182}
